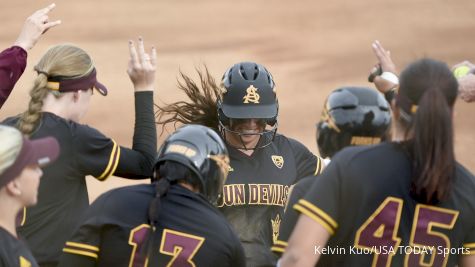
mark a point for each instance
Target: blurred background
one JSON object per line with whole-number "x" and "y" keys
{"x": 310, "y": 47}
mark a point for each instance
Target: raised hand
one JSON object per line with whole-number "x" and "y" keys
{"x": 386, "y": 79}
{"x": 35, "y": 26}
{"x": 142, "y": 66}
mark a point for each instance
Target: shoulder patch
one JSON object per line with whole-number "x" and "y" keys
{"x": 278, "y": 161}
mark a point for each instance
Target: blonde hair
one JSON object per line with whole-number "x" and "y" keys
{"x": 11, "y": 141}
{"x": 64, "y": 60}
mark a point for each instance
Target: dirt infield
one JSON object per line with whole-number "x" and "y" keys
{"x": 311, "y": 48}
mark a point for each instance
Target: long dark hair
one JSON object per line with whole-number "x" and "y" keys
{"x": 427, "y": 94}
{"x": 167, "y": 173}
{"x": 202, "y": 105}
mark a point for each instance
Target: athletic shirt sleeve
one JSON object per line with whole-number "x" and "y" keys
{"x": 96, "y": 154}
{"x": 101, "y": 157}
{"x": 322, "y": 201}
{"x": 82, "y": 249}
{"x": 12, "y": 65}
{"x": 307, "y": 163}
{"x": 291, "y": 216}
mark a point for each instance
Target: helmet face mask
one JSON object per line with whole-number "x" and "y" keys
{"x": 202, "y": 151}
{"x": 248, "y": 93}
{"x": 352, "y": 116}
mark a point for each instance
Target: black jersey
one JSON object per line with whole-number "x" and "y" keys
{"x": 363, "y": 200}
{"x": 255, "y": 193}
{"x": 291, "y": 216}
{"x": 190, "y": 232}
{"x": 13, "y": 252}
{"x": 62, "y": 194}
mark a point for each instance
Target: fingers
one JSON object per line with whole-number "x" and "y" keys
{"x": 45, "y": 10}
{"x": 139, "y": 57}
{"x": 134, "y": 61}
{"x": 51, "y": 24}
{"x": 153, "y": 58}
{"x": 141, "y": 51}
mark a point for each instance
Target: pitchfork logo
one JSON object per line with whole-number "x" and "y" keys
{"x": 252, "y": 96}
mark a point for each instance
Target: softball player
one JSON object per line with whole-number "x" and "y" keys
{"x": 20, "y": 162}
{"x": 264, "y": 164}
{"x": 59, "y": 99}
{"x": 351, "y": 116}
{"x": 13, "y": 59}
{"x": 405, "y": 203}
{"x": 168, "y": 223}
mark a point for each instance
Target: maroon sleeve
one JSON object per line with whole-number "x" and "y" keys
{"x": 12, "y": 65}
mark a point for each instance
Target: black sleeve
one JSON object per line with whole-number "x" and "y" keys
{"x": 307, "y": 163}
{"x": 321, "y": 203}
{"x": 83, "y": 248}
{"x": 291, "y": 216}
{"x": 101, "y": 157}
{"x": 138, "y": 162}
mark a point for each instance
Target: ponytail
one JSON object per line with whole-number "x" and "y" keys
{"x": 432, "y": 152}
{"x": 63, "y": 60}
{"x": 169, "y": 173}
{"x": 427, "y": 94}
{"x": 30, "y": 118}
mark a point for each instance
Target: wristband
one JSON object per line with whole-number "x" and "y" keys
{"x": 390, "y": 77}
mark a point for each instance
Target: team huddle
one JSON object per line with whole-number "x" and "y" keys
{"x": 226, "y": 188}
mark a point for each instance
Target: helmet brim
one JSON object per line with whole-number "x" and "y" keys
{"x": 250, "y": 112}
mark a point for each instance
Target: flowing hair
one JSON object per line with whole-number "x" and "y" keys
{"x": 202, "y": 105}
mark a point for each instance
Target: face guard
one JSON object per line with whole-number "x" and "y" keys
{"x": 248, "y": 93}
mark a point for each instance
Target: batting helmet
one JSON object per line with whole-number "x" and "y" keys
{"x": 352, "y": 116}
{"x": 248, "y": 93}
{"x": 201, "y": 150}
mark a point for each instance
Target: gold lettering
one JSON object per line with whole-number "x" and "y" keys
{"x": 264, "y": 194}
{"x": 253, "y": 194}
{"x": 239, "y": 194}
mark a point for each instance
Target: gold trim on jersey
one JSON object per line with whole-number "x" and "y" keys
{"x": 319, "y": 168}
{"x": 317, "y": 215}
{"x": 81, "y": 249}
{"x": 23, "y": 219}
{"x": 24, "y": 262}
{"x": 80, "y": 252}
{"x": 470, "y": 248}
{"x": 113, "y": 162}
{"x": 81, "y": 245}
{"x": 320, "y": 212}
{"x": 279, "y": 246}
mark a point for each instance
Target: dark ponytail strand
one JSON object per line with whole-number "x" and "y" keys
{"x": 426, "y": 97}
{"x": 432, "y": 152}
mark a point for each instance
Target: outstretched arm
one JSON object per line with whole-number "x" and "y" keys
{"x": 13, "y": 59}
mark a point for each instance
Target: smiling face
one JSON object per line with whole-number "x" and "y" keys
{"x": 245, "y": 133}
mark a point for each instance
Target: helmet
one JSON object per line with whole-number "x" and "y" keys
{"x": 248, "y": 93}
{"x": 352, "y": 116}
{"x": 201, "y": 150}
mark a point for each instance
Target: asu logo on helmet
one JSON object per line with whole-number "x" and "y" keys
{"x": 249, "y": 93}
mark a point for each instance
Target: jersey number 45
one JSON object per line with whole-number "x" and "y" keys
{"x": 380, "y": 231}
